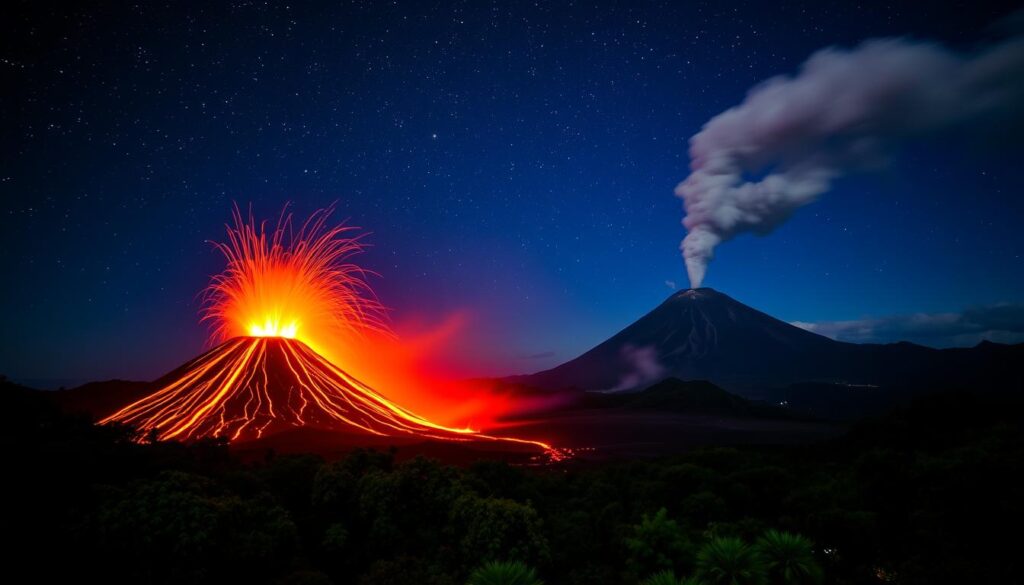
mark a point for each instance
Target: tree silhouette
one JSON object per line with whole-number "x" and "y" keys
{"x": 504, "y": 573}
{"x": 662, "y": 578}
{"x": 790, "y": 558}
{"x": 730, "y": 561}
{"x": 657, "y": 544}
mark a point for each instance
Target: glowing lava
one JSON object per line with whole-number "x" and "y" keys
{"x": 250, "y": 387}
{"x": 292, "y": 282}
{"x": 274, "y": 328}
{"x": 283, "y": 294}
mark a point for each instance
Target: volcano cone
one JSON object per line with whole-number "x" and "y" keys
{"x": 251, "y": 387}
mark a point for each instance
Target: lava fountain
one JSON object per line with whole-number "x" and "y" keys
{"x": 284, "y": 296}
{"x": 291, "y": 283}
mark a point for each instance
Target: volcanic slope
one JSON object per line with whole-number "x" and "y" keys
{"x": 252, "y": 387}
{"x": 702, "y": 334}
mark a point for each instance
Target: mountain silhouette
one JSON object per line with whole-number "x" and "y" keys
{"x": 703, "y": 334}
{"x": 675, "y": 395}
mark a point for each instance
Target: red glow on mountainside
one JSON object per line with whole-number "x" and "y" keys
{"x": 303, "y": 343}
{"x": 251, "y": 387}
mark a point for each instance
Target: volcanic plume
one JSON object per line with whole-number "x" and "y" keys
{"x": 284, "y": 294}
{"x": 754, "y": 165}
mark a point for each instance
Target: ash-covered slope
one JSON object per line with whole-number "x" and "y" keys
{"x": 702, "y": 334}
{"x": 699, "y": 334}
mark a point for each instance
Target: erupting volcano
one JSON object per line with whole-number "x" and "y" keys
{"x": 283, "y": 295}
{"x": 249, "y": 387}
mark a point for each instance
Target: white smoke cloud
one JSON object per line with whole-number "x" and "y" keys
{"x": 755, "y": 164}
{"x": 645, "y": 367}
{"x": 1002, "y": 323}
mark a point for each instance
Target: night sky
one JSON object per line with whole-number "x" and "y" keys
{"x": 514, "y": 162}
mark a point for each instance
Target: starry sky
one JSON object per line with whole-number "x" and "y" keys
{"x": 515, "y": 162}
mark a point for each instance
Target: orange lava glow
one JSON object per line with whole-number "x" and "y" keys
{"x": 293, "y": 282}
{"x": 250, "y": 387}
{"x": 302, "y": 343}
{"x": 271, "y": 328}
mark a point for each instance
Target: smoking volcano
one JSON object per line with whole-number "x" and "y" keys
{"x": 284, "y": 294}
{"x": 697, "y": 334}
{"x": 703, "y": 334}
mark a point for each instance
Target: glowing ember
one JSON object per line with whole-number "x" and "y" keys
{"x": 273, "y": 328}
{"x": 283, "y": 294}
{"x": 291, "y": 283}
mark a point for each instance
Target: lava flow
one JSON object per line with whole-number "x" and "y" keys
{"x": 283, "y": 295}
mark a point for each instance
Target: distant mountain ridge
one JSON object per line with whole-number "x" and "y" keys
{"x": 703, "y": 334}
{"x": 675, "y": 395}
{"x": 99, "y": 399}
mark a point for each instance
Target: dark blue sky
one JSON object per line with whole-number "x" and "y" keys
{"x": 514, "y": 160}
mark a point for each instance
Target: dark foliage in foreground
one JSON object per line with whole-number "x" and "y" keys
{"x": 913, "y": 498}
